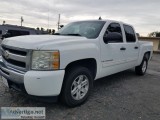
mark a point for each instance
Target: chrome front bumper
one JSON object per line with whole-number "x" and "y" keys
{"x": 11, "y": 74}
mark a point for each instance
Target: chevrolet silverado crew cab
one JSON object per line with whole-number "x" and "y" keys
{"x": 65, "y": 65}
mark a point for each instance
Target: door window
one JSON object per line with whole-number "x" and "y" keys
{"x": 116, "y": 29}
{"x": 130, "y": 35}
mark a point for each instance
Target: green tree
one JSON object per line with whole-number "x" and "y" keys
{"x": 37, "y": 28}
{"x": 53, "y": 31}
{"x": 4, "y": 22}
{"x": 154, "y": 34}
{"x": 49, "y": 31}
{"x": 42, "y": 29}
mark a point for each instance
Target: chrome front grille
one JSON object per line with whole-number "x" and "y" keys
{"x": 16, "y": 58}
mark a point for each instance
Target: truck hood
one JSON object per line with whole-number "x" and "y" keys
{"x": 42, "y": 41}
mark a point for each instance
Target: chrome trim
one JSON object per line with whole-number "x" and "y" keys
{"x": 107, "y": 60}
{"x": 28, "y": 60}
{"x": 13, "y": 66}
{"x": 17, "y": 77}
{"x": 17, "y": 57}
{"x": 15, "y": 48}
{"x": 14, "y": 56}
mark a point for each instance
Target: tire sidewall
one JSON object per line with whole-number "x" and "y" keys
{"x": 144, "y": 60}
{"x": 69, "y": 80}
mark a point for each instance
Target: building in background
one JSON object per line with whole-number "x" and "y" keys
{"x": 155, "y": 40}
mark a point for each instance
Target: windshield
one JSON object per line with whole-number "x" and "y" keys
{"x": 88, "y": 29}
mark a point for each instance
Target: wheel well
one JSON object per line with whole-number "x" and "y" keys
{"x": 147, "y": 55}
{"x": 89, "y": 63}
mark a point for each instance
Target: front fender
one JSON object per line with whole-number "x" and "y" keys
{"x": 77, "y": 52}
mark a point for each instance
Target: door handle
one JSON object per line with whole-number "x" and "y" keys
{"x": 135, "y": 47}
{"x": 122, "y": 48}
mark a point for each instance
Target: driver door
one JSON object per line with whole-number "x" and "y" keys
{"x": 112, "y": 52}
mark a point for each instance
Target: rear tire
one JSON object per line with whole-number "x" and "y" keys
{"x": 77, "y": 86}
{"x": 142, "y": 68}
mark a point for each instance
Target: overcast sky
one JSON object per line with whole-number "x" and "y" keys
{"x": 143, "y": 14}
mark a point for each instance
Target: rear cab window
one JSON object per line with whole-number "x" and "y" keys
{"x": 129, "y": 33}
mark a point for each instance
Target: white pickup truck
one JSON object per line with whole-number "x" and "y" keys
{"x": 65, "y": 65}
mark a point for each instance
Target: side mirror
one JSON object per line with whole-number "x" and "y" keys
{"x": 61, "y": 26}
{"x": 112, "y": 37}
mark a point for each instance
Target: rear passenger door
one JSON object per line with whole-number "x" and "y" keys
{"x": 132, "y": 48}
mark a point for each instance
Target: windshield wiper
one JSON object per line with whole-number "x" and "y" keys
{"x": 74, "y": 34}
{"x": 56, "y": 34}
{"x": 68, "y": 34}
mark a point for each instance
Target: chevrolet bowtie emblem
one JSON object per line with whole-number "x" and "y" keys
{"x": 6, "y": 54}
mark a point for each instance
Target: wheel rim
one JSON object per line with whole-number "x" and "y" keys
{"x": 144, "y": 67}
{"x": 79, "y": 87}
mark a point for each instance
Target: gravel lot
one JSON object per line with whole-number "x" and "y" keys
{"x": 123, "y": 96}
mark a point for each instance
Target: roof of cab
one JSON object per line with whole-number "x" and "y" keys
{"x": 105, "y": 20}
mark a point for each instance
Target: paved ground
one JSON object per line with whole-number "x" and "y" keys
{"x": 123, "y": 96}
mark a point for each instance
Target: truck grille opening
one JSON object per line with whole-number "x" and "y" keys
{"x": 15, "y": 57}
{"x": 18, "y": 52}
{"x": 14, "y": 62}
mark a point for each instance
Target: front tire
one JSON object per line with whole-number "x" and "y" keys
{"x": 77, "y": 86}
{"x": 142, "y": 68}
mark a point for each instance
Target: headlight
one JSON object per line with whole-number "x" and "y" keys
{"x": 45, "y": 60}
